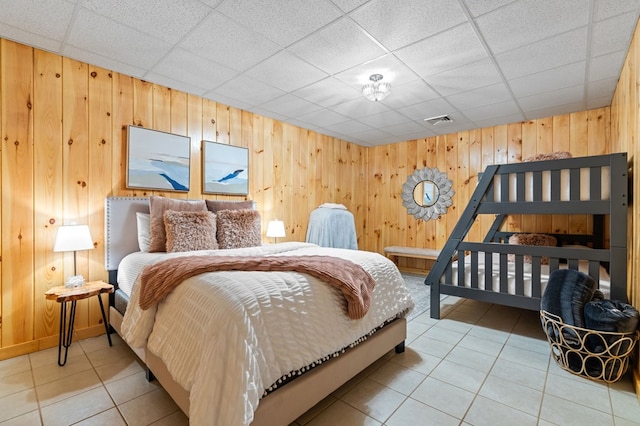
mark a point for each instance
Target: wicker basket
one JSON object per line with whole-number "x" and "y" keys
{"x": 596, "y": 355}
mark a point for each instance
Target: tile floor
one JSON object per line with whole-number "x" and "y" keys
{"x": 480, "y": 365}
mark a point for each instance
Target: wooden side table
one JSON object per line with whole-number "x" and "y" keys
{"x": 63, "y": 295}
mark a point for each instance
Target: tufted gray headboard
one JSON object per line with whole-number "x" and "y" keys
{"x": 121, "y": 233}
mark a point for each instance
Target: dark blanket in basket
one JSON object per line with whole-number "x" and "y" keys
{"x": 566, "y": 294}
{"x": 610, "y": 316}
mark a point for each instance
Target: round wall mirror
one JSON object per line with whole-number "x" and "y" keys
{"x": 427, "y": 193}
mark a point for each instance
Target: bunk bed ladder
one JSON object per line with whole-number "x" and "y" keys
{"x": 461, "y": 229}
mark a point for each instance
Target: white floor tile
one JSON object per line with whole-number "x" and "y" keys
{"x": 565, "y": 412}
{"x": 482, "y": 364}
{"x": 485, "y": 411}
{"x": 412, "y": 412}
{"x": 440, "y": 395}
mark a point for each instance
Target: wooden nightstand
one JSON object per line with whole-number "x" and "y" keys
{"x": 62, "y": 295}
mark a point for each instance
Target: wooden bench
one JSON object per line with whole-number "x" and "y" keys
{"x": 426, "y": 258}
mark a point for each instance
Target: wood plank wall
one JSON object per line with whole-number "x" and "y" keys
{"x": 462, "y": 156}
{"x": 63, "y": 126}
{"x": 625, "y": 131}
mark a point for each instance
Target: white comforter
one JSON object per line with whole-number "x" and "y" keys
{"x": 227, "y": 336}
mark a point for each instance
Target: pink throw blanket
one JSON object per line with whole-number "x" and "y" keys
{"x": 356, "y": 284}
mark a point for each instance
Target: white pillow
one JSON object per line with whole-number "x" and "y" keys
{"x": 144, "y": 230}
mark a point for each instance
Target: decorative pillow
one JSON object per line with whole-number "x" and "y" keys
{"x": 238, "y": 228}
{"x": 558, "y": 155}
{"x": 187, "y": 231}
{"x": 157, "y": 206}
{"x": 532, "y": 240}
{"x": 217, "y": 205}
{"x": 144, "y": 233}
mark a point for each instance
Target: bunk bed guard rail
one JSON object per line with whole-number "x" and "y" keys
{"x": 596, "y": 186}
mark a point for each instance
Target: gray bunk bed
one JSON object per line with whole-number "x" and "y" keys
{"x": 494, "y": 271}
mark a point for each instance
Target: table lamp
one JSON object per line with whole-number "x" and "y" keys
{"x": 73, "y": 238}
{"x": 275, "y": 229}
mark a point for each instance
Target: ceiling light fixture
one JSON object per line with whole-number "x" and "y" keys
{"x": 376, "y": 91}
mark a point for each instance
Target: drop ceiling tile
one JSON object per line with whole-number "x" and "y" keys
{"x": 480, "y": 7}
{"x": 93, "y": 32}
{"x": 413, "y": 92}
{"x": 268, "y": 113}
{"x": 24, "y": 37}
{"x": 173, "y": 84}
{"x": 246, "y": 90}
{"x": 606, "y": 66}
{"x": 228, "y": 101}
{"x": 605, "y": 101}
{"x": 322, "y": 118}
{"x": 225, "y": 42}
{"x": 44, "y": 18}
{"x": 360, "y": 107}
{"x": 607, "y": 38}
{"x": 169, "y": 20}
{"x": 290, "y": 106}
{"x": 601, "y": 88}
{"x": 486, "y": 112}
{"x": 497, "y": 121}
{"x": 212, "y": 3}
{"x": 337, "y": 47}
{"x": 427, "y": 109}
{"x": 399, "y": 24}
{"x": 538, "y": 101}
{"x": 184, "y": 66}
{"x": 604, "y": 9}
{"x": 298, "y": 72}
{"x": 405, "y": 128}
{"x": 328, "y": 92}
{"x": 545, "y": 81}
{"x": 465, "y": 78}
{"x": 349, "y": 127}
{"x": 393, "y": 71}
{"x": 375, "y": 135}
{"x": 444, "y": 51}
{"x": 487, "y": 95}
{"x": 555, "y": 110}
{"x": 107, "y": 63}
{"x": 453, "y": 127}
{"x": 518, "y": 23}
{"x": 382, "y": 119}
{"x": 349, "y": 5}
{"x": 283, "y": 22}
{"x": 557, "y": 51}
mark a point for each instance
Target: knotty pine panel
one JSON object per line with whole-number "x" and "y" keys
{"x": 47, "y": 131}
{"x": 17, "y": 216}
{"x": 462, "y": 156}
{"x": 624, "y": 133}
{"x": 292, "y": 171}
{"x": 81, "y": 116}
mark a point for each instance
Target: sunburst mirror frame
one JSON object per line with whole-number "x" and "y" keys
{"x": 444, "y": 193}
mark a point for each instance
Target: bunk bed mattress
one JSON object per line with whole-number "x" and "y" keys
{"x": 233, "y": 334}
{"x": 604, "y": 282}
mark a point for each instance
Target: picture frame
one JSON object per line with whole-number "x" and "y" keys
{"x": 225, "y": 169}
{"x": 158, "y": 160}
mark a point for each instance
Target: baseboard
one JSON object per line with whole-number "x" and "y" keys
{"x": 47, "y": 342}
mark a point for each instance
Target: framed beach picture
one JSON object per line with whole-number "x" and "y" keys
{"x": 225, "y": 169}
{"x": 157, "y": 160}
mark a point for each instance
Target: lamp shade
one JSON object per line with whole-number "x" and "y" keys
{"x": 73, "y": 238}
{"x": 275, "y": 229}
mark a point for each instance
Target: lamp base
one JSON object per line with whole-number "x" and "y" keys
{"x": 74, "y": 281}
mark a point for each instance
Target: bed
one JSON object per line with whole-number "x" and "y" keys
{"x": 248, "y": 347}
{"x": 515, "y": 274}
